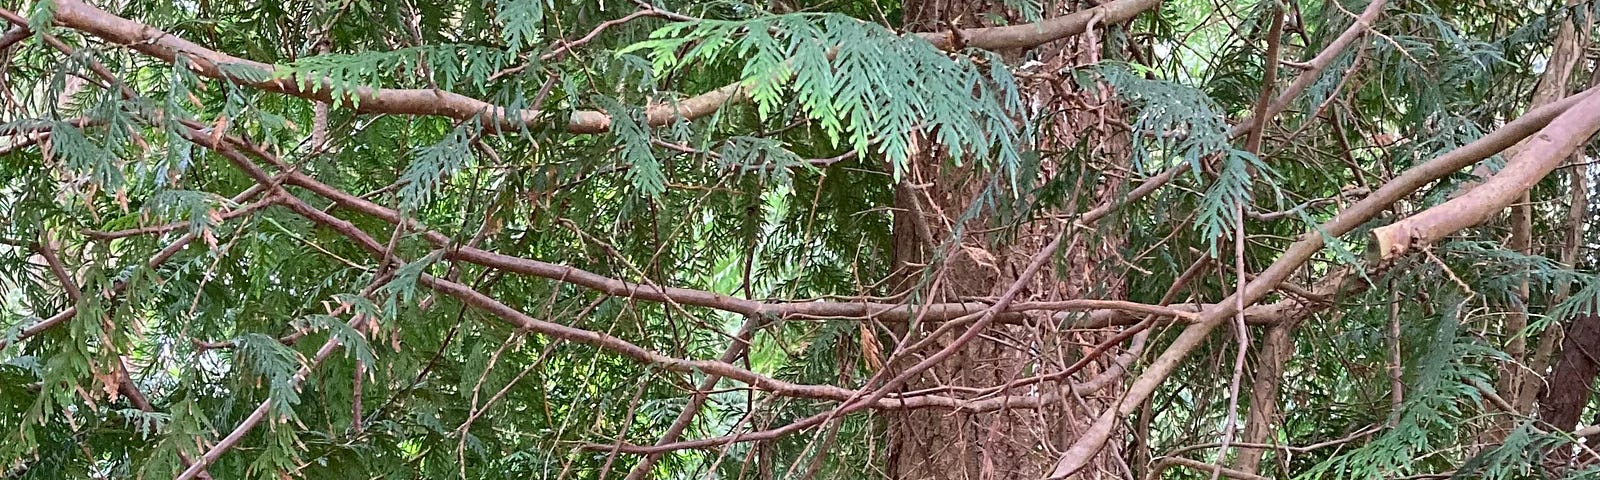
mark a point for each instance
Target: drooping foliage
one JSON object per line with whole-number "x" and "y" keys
{"x": 181, "y": 247}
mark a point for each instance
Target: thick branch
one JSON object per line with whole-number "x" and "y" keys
{"x": 77, "y": 15}
{"x": 1542, "y": 154}
{"x": 12, "y": 36}
{"x": 1297, "y": 255}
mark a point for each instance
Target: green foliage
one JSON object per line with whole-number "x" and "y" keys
{"x": 519, "y": 20}
{"x": 1440, "y": 382}
{"x": 1584, "y": 302}
{"x": 633, "y": 143}
{"x": 433, "y": 163}
{"x": 264, "y": 358}
{"x": 96, "y": 165}
{"x": 352, "y": 340}
{"x": 1169, "y": 116}
{"x": 1225, "y": 201}
{"x": 41, "y": 16}
{"x": 280, "y": 455}
{"x": 794, "y": 193}
{"x": 862, "y": 83}
{"x": 447, "y": 66}
{"x": 185, "y": 423}
{"x": 764, "y": 156}
{"x": 402, "y": 289}
{"x": 198, "y": 209}
{"x": 1518, "y": 456}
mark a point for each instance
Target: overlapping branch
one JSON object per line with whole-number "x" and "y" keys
{"x": 1099, "y": 312}
{"x": 80, "y": 16}
{"x": 1046, "y": 31}
{"x": 1580, "y": 119}
{"x": 522, "y": 321}
{"x": 1314, "y": 68}
{"x": 1542, "y": 154}
{"x": 1297, "y": 255}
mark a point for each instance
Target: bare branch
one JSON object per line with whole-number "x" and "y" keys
{"x": 1312, "y": 70}
{"x": 1542, "y": 154}
{"x": 1035, "y": 34}
{"x": 1297, "y": 255}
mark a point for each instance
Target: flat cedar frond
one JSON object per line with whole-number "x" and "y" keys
{"x": 862, "y": 84}
{"x": 798, "y": 239}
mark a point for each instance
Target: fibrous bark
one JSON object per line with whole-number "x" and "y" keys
{"x": 1005, "y": 444}
{"x": 1573, "y": 377}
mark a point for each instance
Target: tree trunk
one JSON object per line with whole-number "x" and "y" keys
{"x": 1519, "y": 382}
{"x": 931, "y": 203}
{"x": 1573, "y": 376}
{"x": 1567, "y": 392}
{"x": 1262, "y": 418}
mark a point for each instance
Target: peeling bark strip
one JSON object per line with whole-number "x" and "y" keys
{"x": 1543, "y": 153}
{"x": 77, "y": 15}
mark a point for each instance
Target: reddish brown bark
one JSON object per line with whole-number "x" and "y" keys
{"x": 1519, "y": 380}
{"x": 1005, "y": 444}
{"x": 1567, "y": 390}
{"x": 1573, "y": 377}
